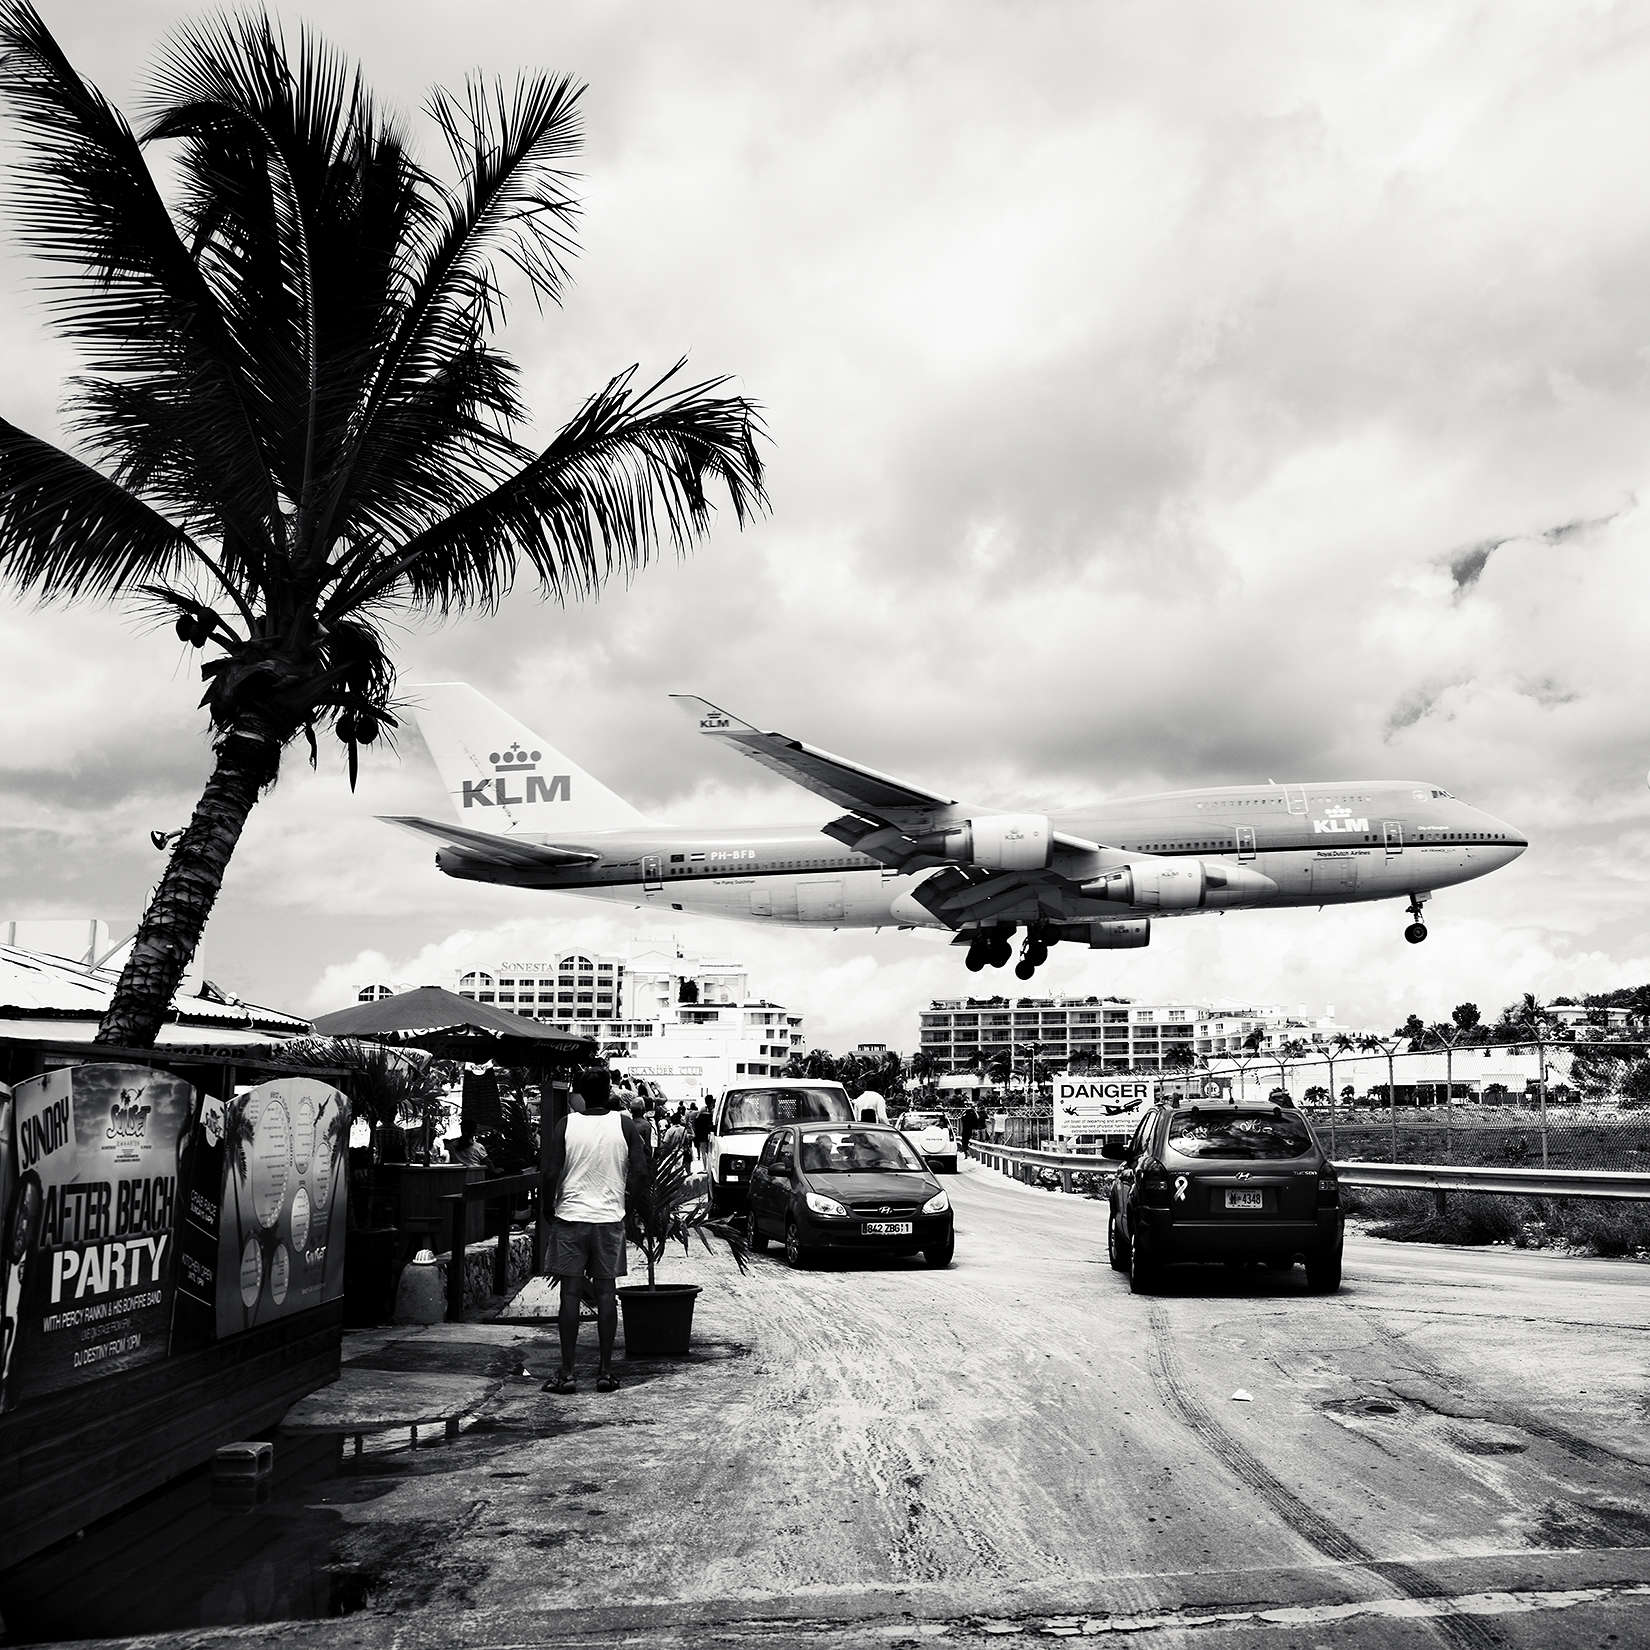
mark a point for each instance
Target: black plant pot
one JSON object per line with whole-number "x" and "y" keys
{"x": 658, "y": 1322}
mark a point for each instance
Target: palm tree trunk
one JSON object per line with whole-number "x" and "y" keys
{"x": 249, "y": 757}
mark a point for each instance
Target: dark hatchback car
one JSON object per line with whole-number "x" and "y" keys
{"x": 1230, "y": 1183}
{"x": 847, "y": 1188}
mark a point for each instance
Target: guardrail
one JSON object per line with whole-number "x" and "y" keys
{"x": 1023, "y": 1162}
{"x": 502, "y": 1193}
{"x": 1434, "y": 1177}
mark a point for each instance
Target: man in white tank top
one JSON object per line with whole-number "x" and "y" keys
{"x": 593, "y": 1160}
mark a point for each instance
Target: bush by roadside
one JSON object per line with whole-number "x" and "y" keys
{"x": 1595, "y": 1228}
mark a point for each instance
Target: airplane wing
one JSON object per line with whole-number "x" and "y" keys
{"x": 497, "y": 850}
{"x": 884, "y": 809}
{"x": 833, "y": 777}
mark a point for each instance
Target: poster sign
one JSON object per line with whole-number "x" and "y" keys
{"x": 1100, "y": 1105}
{"x": 281, "y": 1211}
{"x": 92, "y": 1224}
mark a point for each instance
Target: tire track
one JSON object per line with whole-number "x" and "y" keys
{"x": 1510, "y": 1415}
{"x": 1458, "y": 1632}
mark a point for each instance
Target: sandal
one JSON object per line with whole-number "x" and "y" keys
{"x": 607, "y": 1381}
{"x": 562, "y": 1383}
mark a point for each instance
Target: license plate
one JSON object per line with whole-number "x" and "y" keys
{"x": 1244, "y": 1200}
{"x": 887, "y": 1228}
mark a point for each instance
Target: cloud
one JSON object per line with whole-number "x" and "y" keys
{"x": 1157, "y": 399}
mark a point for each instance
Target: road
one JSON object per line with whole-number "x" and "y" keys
{"x": 1452, "y": 1451}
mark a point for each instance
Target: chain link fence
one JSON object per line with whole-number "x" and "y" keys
{"x": 1558, "y": 1105}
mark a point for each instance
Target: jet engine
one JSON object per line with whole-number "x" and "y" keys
{"x": 1163, "y": 885}
{"x": 1181, "y": 885}
{"x": 1002, "y": 842}
{"x": 1126, "y": 934}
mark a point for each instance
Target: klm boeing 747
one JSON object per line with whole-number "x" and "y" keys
{"x": 903, "y": 856}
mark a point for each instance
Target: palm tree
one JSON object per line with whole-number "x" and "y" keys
{"x": 293, "y": 425}
{"x": 999, "y": 1066}
{"x": 924, "y": 1067}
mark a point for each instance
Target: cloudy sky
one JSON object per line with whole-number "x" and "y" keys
{"x": 1160, "y": 394}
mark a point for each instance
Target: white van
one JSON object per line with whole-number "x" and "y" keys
{"x": 744, "y": 1116}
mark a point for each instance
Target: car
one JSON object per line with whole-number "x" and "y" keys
{"x": 1224, "y": 1182}
{"x": 858, "y": 1188}
{"x": 743, "y": 1117}
{"x": 931, "y": 1134}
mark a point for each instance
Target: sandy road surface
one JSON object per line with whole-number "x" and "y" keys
{"x": 1453, "y": 1452}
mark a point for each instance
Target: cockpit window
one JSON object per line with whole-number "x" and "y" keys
{"x": 1446, "y": 795}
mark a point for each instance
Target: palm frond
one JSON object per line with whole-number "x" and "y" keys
{"x": 629, "y": 473}
{"x": 276, "y": 145}
{"x": 67, "y": 531}
{"x": 124, "y": 287}
{"x": 514, "y": 204}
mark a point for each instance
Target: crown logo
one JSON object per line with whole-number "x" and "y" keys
{"x": 1337, "y": 813}
{"x": 514, "y": 760}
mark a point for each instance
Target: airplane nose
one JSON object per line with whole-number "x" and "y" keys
{"x": 1505, "y": 836}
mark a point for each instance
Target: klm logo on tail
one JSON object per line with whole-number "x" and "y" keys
{"x": 495, "y": 793}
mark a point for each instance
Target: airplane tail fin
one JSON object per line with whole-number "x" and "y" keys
{"x": 504, "y": 779}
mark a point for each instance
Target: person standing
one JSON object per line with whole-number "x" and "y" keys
{"x": 970, "y": 1126}
{"x": 701, "y": 1132}
{"x": 594, "y": 1161}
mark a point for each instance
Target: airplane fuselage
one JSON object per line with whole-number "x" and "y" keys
{"x": 1326, "y": 843}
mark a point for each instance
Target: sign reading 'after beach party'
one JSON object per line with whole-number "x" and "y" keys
{"x": 90, "y": 1267}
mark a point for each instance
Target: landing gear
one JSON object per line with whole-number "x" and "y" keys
{"x": 1033, "y": 954}
{"x": 1417, "y": 930}
{"x": 989, "y": 946}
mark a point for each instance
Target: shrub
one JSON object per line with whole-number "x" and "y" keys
{"x": 1485, "y": 1217}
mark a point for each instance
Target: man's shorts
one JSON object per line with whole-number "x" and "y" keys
{"x": 578, "y": 1246}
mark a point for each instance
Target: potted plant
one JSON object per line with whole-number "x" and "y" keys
{"x": 668, "y": 1205}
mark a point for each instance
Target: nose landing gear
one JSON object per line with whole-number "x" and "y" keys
{"x": 1417, "y": 930}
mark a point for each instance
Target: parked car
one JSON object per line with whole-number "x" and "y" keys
{"x": 744, "y": 1115}
{"x": 858, "y": 1187}
{"x": 931, "y": 1134}
{"x": 1220, "y": 1182}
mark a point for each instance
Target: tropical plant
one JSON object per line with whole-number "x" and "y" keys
{"x": 387, "y": 1085}
{"x": 1413, "y": 1031}
{"x": 668, "y": 1205}
{"x": 512, "y": 1145}
{"x": 293, "y": 424}
{"x": 924, "y": 1067}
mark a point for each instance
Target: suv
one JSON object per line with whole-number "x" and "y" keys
{"x": 744, "y": 1117}
{"x": 1219, "y": 1182}
{"x": 931, "y": 1134}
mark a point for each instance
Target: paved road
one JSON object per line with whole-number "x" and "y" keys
{"x": 1452, "y": 1452}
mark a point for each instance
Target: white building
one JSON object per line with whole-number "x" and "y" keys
{"x": 1121, "y": 1035}
{"x": 690, "y": 1024}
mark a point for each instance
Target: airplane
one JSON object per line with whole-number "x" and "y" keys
{"x": 903, "y": 856}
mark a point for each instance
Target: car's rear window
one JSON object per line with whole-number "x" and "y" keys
{"x": 765, "y": 1108}
{"x": 1245, "y": 1134}
{"x": 919, "y": 1120}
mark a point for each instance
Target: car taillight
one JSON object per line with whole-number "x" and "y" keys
{"x": 1329, "y": 1189}
{"x": 1154, "y": 1186}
